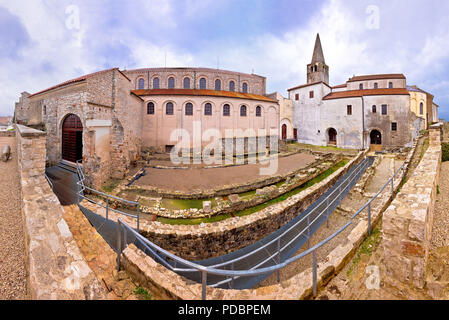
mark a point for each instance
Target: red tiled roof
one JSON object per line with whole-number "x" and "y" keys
{"x": 377, "y": 77}
{"x": 307, "y": 85}
{"x": 197, "y": 92}
{"x": 340, "y": 86}
{"x": 369, "y": 92}
{"x": 76, "y": 80}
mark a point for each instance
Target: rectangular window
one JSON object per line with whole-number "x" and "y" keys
{"x": 374, "y": 109}
{"x": 394, "y": 126}
{"x": 349, "y": 110}
{"x": 297, "y": 97}
{"x": 384, "y": 109}
{"x": 311, "y": 94}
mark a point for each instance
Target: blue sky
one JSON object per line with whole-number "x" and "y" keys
{"x": 44, "y": 42}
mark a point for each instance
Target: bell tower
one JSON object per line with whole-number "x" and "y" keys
{"x": 318, "y": 70}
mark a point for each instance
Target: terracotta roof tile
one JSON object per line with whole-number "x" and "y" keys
{"x": 377, "y": 77}
{"x": 308, "y": 85}
{"x": 76, "y": 80}
{"x": 369, "y": 92}
{"x": 196, "y": 92}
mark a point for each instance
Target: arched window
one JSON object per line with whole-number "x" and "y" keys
{"x": 156, "y": 83}
{"x": 390, "y": 85}
{"x": 171, "y": 83}
{"x": 376, "y": 85}
{"x": 141, "y": 84}
{"x": 421, "y": 108}
{"x": 217, "y": 85}
{"x": 207, "y": 109}
{"x": 45, "y": 110}
{"x": 226, "y": 110}
{"x": 245, "y": 87}
{"x": 231, "y": 86}
{"x": 258, "y": 111}
{"x": 189, "y": 109}
{"x": 243, "y": 111}
{"x": 186, "y": 83}
{"x": 361, "y": 86}
{"x": 374, "y": 109}
{"x": 203, "y": 85}
{"x": 150, "y": 108}
{"x": 169, "y": 108}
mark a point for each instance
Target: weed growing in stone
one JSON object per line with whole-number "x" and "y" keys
{"x": 142, "y": 293}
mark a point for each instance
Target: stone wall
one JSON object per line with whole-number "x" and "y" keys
{"x": 408, "y": 222}
{"x": 170, "y": 285}
{"x": 56, "y": 267}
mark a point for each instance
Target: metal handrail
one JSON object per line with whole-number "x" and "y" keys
{"x": 233, "y": 274}
{"x": 82, "y": 188}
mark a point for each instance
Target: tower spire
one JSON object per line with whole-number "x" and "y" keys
{"x": 317, "y": 70}
{"x": 318, "y": 55}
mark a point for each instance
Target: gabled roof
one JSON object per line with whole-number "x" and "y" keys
{"x": 377, "y": 77}
{"x": 308, "y": 85}
{"x": 368, "y": 92}
{"x": 416, "y": 89}
{"x": 340, "y": 86}
{"x": 197, "y": 92}
{"x": 76, "y": 80}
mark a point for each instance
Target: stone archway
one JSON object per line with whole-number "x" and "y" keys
{"x": 332, "y": 136}
{"x": 72, "y": 138}
{"x": 284, "y": 132}
{"x": 376, "y": 140}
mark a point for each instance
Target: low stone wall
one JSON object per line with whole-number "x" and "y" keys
{"x": 57, "y": 269}
{"x": 172, "y": 286}
{"x": 407, "y": 224}
{"x": 7, "y": 133}
{"x": 225, "y": 190}
{"x": 234, "y": 203}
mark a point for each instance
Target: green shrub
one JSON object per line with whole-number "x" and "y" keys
{"x": 445, "y": 152}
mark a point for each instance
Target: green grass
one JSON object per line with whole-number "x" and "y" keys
{"x": 366, "y": 249}
{"x": 259, "y": 207}
{"x": 142, "y": 293}
{"x": 110, "y": 185}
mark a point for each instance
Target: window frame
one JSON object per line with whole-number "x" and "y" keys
{"x": 203, "y": 80}
{"x": 311, "y": 94}
{"x": 394, "y": 126}
{"x": 258, "y": 111}
{"x": 190, "y": 105}
{"x": 140, "y": 82}
{"x": 349, "y": 110}
{"x": 232, "y": 87}
{"x": 148, "y": 108}
{"x": 226, "y": 113}
{"x": 245, "y": 87}
{"x": 172, "y": 109}
{"x": 385, "y": 109}
{"x": 206, "y": 109}
{"x": 217, "y": 81}
{"x": 157, "y": 81}
{"x": 243, "y": 111}
{"x": 184, "y": 83}
{"x": 171, "y": 79}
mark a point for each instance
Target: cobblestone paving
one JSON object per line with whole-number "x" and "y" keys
{"x": 12, "y": 242}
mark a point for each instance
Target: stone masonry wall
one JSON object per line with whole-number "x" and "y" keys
{"x": 56, "y": 267}
{"x": 408, "y": 222}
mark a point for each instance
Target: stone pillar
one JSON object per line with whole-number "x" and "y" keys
{"x": 31, "y": 152}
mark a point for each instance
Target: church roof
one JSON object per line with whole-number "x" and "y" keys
{"x": 308, "y": 85}
{"x": 318, "y": 55}
{"x": 377, "y": 77}
{"x": 201, "y": 92}
{"x": 368, "y": 92}
{"x": 76, "y": 80}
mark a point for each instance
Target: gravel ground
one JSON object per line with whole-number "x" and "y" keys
{"x": 12, "y": 247}
{"x": 204, "y": 179}
{"x": 440, "y": 232}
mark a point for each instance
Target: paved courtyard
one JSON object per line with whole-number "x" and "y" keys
{"x": 203, "y": 179}
{"x": 12, "y": 246}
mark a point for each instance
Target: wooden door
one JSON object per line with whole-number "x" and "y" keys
{"x": 72, "y": 139}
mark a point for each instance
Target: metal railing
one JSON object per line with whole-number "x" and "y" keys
{"x": 82, "y": 188}
{"x": 49, "y": 181}
{"x": 164, "y": 257}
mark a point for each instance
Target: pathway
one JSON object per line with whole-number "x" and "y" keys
{"x": 12, "y": 240}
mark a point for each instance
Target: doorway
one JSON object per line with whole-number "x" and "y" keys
{"x": 72, "y": 139}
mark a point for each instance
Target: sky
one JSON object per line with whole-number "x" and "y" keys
{"x": 46, "y": 42}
